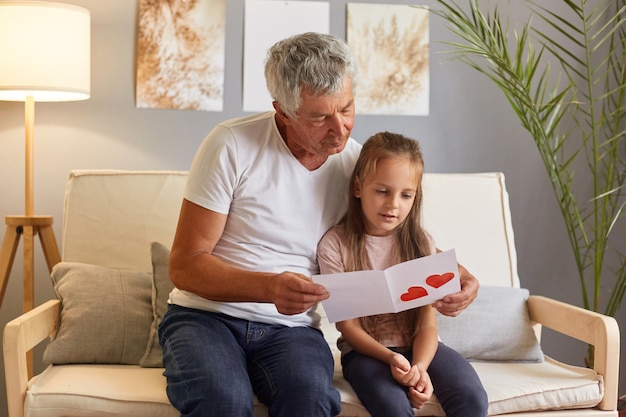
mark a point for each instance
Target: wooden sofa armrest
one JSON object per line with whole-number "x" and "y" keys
{"x": 595, "y": 329}
{"x": 20, "y": 336}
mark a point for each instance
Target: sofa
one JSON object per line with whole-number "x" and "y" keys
{"x": 112, "y": 283}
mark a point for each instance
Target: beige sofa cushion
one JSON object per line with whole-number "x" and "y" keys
{"x": 161, "y": 288}
{"x": 134, "y": 391}
{"x": 105, "y": 314}
{"x": 495, "y": 327}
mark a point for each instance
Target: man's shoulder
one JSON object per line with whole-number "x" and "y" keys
{"x": 248, "y": 120}
{"x": 244, "y": 133}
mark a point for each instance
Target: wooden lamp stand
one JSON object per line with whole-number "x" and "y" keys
{"x": 27, "y": 226}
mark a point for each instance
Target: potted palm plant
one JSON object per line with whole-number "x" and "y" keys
{"x": 565, "y": 78}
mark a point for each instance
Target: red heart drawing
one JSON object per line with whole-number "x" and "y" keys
{"x": 413, "y": 293}
{"x": 437, "y": 281}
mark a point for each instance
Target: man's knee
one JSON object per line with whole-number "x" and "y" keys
{"x": 227, "y": 399}
{"x": 308, "y": 399}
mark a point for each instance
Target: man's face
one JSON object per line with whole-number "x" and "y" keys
{"x": 323, "y": 123}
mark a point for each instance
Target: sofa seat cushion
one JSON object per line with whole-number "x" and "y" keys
{"x": 102, "y": 390}
{"x": 511, "y": 388}
{"x": 130, "y": 390}
{"x": 514, "y": 387}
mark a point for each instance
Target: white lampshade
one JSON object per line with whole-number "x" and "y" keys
{"x": 44, "y": 51}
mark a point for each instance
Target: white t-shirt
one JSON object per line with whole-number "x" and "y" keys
{"x": 277, "y": 209}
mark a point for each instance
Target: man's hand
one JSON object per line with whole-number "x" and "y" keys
{"x": 453, "y": 304}
{"x": 295, "y": 293}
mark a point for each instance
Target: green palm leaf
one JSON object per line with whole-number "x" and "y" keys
{"x": 566, "y": 82}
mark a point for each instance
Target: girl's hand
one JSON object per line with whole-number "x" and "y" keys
{"x": 422, "y": 391}
{"x": 402, "y": 371}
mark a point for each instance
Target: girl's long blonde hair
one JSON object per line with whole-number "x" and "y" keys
{"x": 412, "y": 239}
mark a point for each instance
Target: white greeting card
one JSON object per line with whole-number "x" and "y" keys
{"x": 403, "y": 286}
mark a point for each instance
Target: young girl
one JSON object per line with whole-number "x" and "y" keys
{"x": 394, "y": 362}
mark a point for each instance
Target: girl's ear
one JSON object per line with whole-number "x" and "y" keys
{"x": 357, "y": 188}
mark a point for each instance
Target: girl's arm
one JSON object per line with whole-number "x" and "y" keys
{"x": 426, "y": 340}
{"x": 362, "y": 342}
{"x": 424, "y": 348}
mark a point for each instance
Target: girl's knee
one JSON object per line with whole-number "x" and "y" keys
{"x": 471, "y": 402}
{"x": 477, "y": 400}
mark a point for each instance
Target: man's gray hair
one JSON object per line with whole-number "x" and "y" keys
{"x": 315, "y": 61}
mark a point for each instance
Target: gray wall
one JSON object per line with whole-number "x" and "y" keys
{"x": 470, "y": 129}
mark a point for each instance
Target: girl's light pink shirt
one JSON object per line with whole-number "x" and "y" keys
{"x": 382, "y": 252}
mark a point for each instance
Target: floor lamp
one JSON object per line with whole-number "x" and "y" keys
{"x": 45, "y": 57}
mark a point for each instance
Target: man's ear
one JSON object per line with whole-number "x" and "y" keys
{"x": 280, "y": 113}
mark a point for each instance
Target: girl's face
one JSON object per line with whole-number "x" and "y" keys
{"x": 387, "y": 195}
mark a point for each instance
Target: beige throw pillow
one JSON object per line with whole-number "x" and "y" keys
{"x": 495, "y": 327}
{"x": 105, "y": 315}
{"x": 161, "y": 288}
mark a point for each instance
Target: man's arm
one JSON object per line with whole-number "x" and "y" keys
{"x": 454, "y": 304}
{"x": 194, "y": 268}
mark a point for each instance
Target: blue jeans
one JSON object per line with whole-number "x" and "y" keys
{"x": 455, "y": 384}
{"x": 215, "y": 364}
